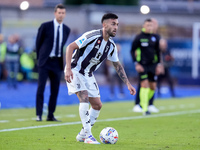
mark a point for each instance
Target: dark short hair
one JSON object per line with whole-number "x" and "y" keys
{"x": 148, "y": 20}
{"x": 61, "y": 6}
{"x": 109, "y": 16}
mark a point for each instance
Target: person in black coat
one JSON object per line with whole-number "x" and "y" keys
{"x": 51, "y": 38}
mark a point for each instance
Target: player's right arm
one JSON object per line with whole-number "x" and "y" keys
{"x": 69, "y": 51}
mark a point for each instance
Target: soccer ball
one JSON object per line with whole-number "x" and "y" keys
{"x": 109, "y": 135}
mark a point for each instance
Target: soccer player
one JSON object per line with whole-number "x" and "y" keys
{"x": 90, "y": 50}
{"x": 146, "y": 54}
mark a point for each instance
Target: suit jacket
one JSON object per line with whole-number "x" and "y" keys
{"x": 45, "y": 39}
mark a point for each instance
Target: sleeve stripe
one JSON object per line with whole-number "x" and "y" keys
{"x": 95, "y": 33}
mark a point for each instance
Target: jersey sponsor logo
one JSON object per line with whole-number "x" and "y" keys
{"x": 94, "y": 61}
{"x": 144, "y": 44}
{"x": 144, "y": 40}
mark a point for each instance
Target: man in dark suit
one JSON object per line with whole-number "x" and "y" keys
{"x": 50, "y": 41}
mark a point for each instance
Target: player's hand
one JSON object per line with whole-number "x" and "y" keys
{"x": 131, "y": 89}
{"x": 160, "y": 69}
{"x": 68, "y": 75}
{"x": 139, "y": 68}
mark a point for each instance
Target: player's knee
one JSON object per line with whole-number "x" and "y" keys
{"x": 100, "y": 105}
{"x": 144, "y": 83}
{"x": 97, "y": 106}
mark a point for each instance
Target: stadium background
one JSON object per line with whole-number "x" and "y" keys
{"x": 175, "y": 17}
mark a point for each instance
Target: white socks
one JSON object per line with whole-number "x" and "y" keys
{"x": 88, "y": 117}
{"x": 85, "y": 118}
{"x": 94, "y": 114}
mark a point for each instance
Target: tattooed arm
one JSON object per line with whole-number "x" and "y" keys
{"x": 120, "y": 71}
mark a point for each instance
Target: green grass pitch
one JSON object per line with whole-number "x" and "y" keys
{"x": 175, "y": 127}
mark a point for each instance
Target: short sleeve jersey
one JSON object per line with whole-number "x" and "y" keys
{"x": 93, "y": 50}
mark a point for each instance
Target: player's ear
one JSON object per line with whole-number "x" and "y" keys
{"x": 104, "y": 23}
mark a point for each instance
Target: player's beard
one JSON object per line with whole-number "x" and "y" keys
{"x": 111, "y": 33}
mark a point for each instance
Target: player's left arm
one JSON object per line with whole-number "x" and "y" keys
{"x": 120, "y": 71}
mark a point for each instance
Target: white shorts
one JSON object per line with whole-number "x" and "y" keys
{"x": 82, "y": 83}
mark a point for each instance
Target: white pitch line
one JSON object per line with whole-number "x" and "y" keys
{"x": 191, "y": 105}
{"x": 71, "y": 116}
{"x": 162, "y": 107}
{"x": 4, "y": 121}
{"x": 21, "y": 120}
{"x": 68, "y": 116}
{"x": 103, "y": 120}
{"x": 170, "y": 107}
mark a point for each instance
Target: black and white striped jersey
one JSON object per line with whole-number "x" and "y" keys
{"x": 93, "y": 49}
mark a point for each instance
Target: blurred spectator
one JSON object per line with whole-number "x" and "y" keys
{"x": 27, "y": 64}
{"x": 2, "y": 55}
{"x": 12, "y": 60}
{"x": 167, "y": 61}
{"x": 113, "y": 76}
{"x": 18, "y": 40}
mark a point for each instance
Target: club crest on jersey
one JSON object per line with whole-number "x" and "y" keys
{"x": 153, "y": 38}
{"x": 155, "y": 78}
{"x": 99, "y": 41}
